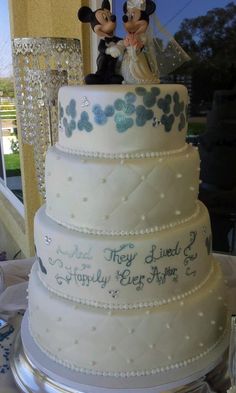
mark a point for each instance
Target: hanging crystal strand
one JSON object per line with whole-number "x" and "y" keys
{"x": 232, "y": 355}
{"x": 41, "y": 67}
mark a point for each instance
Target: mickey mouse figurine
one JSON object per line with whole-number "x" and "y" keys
{"x": 103, "y": 23}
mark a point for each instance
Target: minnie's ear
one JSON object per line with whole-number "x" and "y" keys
{"x": 150, "y": 7}
{"x": 85, "y": 14}
{"x": 106, "y": 5}
{"x": 125, "y": 7}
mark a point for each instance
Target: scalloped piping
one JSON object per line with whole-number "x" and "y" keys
{"x": 125, "y": 374}
{"x": 135, "y": 306}
{"x": 145, "y": 231}
{"x": 124, "y": 156}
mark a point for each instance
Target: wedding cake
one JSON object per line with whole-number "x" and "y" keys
{"x": 124, "y": 283}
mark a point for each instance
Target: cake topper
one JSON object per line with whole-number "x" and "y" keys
{"x": 103, "y": 23}
{"x": 135, "y": 66}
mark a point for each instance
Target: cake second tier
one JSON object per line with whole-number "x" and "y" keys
{"x": 121, "y": 196}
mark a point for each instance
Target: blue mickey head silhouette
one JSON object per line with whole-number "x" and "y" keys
{"x": 178, "y": 106}
{"x": 182, "y": 122}
{"x": 126, "y": 107}
{"x": 168, "y": 121}
{"x": 123, "y": 123}
{"x": 84, "y": 123}
{"x": 149, "y": 97}
{"x": 164, "y": 103}
{"x": 69, "y": 127}
{"x": 71, "y": 109}
{"x": 61, "y": 111}
{"x": 143, "y": 115}
{"x": 109, "y": 111}
{"x": 99, "y": 115}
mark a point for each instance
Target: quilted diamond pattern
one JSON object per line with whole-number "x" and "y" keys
{"x": 119, "y": 195}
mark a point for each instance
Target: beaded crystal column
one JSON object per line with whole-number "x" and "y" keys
{"x": 41, "y": 67}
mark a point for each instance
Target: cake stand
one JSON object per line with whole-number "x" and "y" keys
{"x": 34, "y": 372}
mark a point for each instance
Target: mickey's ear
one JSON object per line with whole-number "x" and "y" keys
{"x": 150, "y": 7}
{"x": 106, "y": 5}
{"x": 85, "y": 14}
{"x": 125, "y": 7}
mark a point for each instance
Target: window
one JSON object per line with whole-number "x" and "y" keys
{"x": 10, "y": 173}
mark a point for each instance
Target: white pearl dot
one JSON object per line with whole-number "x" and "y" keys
{"x": 178, "y": 212}
{"x": 201, "y": 345}
{"x": 143, "y": 217}
{"x": 179, "y": 175}
{"x": 169, "y": 357}
{"x": 162, "y": 195}
{"x": 213, "y": 323}
{"x": 192, "y": 188}
{"x": 187, "y": 338}
{"x": 168, "y": 326}
{"x": 200, "y": 314}
{"x": 220, "y": 328}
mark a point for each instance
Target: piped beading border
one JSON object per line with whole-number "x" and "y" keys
{"x": 137, "y": 232}
{"x": 121, "y": 156}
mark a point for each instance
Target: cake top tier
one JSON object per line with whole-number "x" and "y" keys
{"x": 116, "y": 120}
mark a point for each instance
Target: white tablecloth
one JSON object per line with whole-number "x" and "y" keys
{"x": 13, "y": 298}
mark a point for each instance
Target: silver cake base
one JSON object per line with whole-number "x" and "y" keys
{"x": 34, "y": 372}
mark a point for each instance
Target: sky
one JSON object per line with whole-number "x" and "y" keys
{"x": 5, "y": 40}
{"x": 170, "y": 12}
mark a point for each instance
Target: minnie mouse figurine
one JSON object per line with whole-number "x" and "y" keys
{"x": 136, "y": 67}
{"x": 103, "y": 23}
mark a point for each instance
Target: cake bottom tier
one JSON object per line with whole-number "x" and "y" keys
{"x": 128, "y": 342}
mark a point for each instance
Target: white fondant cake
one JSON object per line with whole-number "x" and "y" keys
{"x": 124, "y": 270}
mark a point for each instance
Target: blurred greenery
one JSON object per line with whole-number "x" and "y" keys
{"x": 12, "y": 161}
{"x": 7, "y": 87}
{"x": 195, "y": 128}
